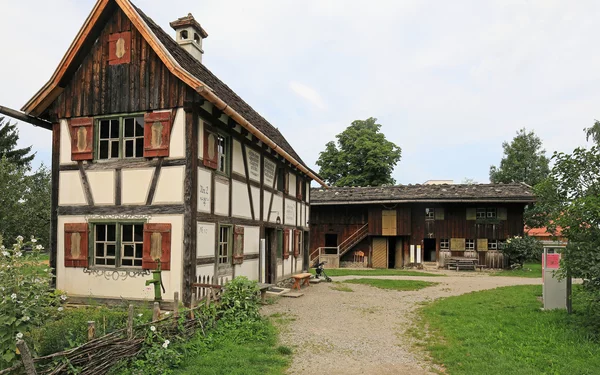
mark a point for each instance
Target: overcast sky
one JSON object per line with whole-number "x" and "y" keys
{"x": 449, "y": 81}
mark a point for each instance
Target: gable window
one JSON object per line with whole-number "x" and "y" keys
{"x": 470, "y": 245}
{"x": 429, "y": 214}
{"x": 118, "y": 244}
{"x": 444, "y": 244}
{"x": 121, "y": 137}
{"x": 224, "y": 244}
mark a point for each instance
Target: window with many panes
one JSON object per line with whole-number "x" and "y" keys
{"x": 429, "y": 214}
{"x": 445, "y": 244}
{"x": 225, "y": 249}
{"x": 492, "y": 245}
{"x": 120, "y": 137}
{"x": 486, "y": 213}
{"x": 470, "y": 244}
{"x": 481, "y": 213}
{"x": 222, "y": 150}
{"x": 491, "y": 213}
{"x": 118, "y": 244}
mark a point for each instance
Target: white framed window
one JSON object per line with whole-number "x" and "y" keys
{"x": 430, "y": 214}
{"x": 445, "y": 244}
{"x": 118, "y": 244}
{"x": 492, "y": 245}
{"x": 225, "y": 249}
{"x": 469, "y": 244}
{"x": 481, "y": 213}
{"x": 491, "y": 213}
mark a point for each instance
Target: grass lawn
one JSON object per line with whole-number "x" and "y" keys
{"x": 533, "y": 270}
{"x": 231, "y": 352}
{"x": 378, "y": 272}
{"x": 503, "y": 331}
{"x": 340, "y": 287}
{"x": 402, "y": 285}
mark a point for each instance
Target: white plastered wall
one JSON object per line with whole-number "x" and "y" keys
{"x": 292, "y": 190}
{"x": 249, "y": 267}
{"x": 111, "y": 284}
{"x": 135, "y": 184}
{"x": 65, "y": 143}
{"x": 177, "y": 142}
{"x": 290, "y": 212}
{"x": 205, "y": 240}
{"x": 277, "y": 208}
{"x": 221, "y": 197}
{"x": 200, "y": 138}
{"x": 169, "y": 188}
{"x": 240, "y": 200}
{"x": 206, "y": 270}
{"x": 70, "y": 189}
{"x": 256, "y": 201}
{"x": 102, "y": 185}
{"x": 237, "y": 159}
{"x": 204, "y": 186}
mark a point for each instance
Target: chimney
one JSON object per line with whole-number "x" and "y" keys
{"x": 189, "y": 35}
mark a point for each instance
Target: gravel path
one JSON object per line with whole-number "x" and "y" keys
{"x": 363, "y": 332}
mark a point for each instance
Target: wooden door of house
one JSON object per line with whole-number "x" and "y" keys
{"x": 388, "y": 223}
{"x": 380, "y": 252}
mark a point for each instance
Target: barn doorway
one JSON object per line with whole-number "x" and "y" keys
{"x": 429, "y": 250}
{"x": 331, "y": 240}
{"x": 391, "y": 252}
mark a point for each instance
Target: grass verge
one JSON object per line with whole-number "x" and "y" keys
{"x": 377, "y": 272}
{"x": 503, "y": 331}
{"x": 533, "y": 270}
{"x": 402, "y": 285}
{"x": 234, "y": 351}
{"x": 340, "y": 287}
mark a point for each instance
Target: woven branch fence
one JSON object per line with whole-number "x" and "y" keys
{"x": 98, "y": 356}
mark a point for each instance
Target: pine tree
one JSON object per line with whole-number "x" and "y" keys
{"x": 9, "y": 135}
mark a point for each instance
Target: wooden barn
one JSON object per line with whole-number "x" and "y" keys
{"x": 154, "y": 157}
{"x": 396, "y": 226}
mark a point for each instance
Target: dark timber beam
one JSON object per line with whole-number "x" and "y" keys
{"x": 26, "y": 118}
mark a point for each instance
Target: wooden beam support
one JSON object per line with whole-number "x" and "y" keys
{"x": 26, "y": 118}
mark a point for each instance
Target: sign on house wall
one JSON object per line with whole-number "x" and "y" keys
{"x": 253, "y": 164}
{"x": 269, "y": 172}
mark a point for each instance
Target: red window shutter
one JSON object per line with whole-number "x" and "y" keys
{"x": 119, "y": 48}
{"x": 238, "y": 245}
{"x": 82, "y": 138}
{"x": 211, "y": 150}
{"x": 76, "y": 245}
{"x": 299, "y": 188}
{"x": 157, "y": 245}
{"x": 286, "y": 244}
{"x": 157, "y": 134}
{"x": 296, "y": 243}
{"x": 286, "y": 181}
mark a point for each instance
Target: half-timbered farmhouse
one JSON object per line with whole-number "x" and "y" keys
{"x": 395, "y": 226}
{"x": 155, "y": 158}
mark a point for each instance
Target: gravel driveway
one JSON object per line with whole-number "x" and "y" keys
{"x": 363, "y": 332}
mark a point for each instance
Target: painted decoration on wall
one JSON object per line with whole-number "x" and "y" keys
{"x": 238, "y": 244}
{"x": 482, "y": 244}
{"x": 205, "y": 240}
{"x": 82, "y": 138}
{"x": 290, "y": 212}
{"x": 119, "y": 48}
{"x": 253, "y": 164}
{"x": 457, "y": 244}
{"x": 157, "y": 246}
{"x": 76, "y": 245}
{"x": 210, "y": 154}
{"x": 157, "y": 134}
{"x": 269, "y": 172}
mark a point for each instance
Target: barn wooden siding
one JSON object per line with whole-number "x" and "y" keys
{"x": 341, "y": 220}
{"x": 97, "y": 88}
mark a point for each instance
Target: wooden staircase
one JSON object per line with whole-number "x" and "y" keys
{"x": 345, "y": 246}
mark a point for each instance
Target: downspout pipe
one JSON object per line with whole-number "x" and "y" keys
{"x": 25, "y": 117}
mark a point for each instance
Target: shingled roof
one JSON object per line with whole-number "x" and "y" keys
{"x": 198, "y": 70}
{"x": 423, "y": 193}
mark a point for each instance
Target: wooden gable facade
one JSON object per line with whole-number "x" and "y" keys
{"x": 416, "y": 224}
{"x": 153, "y": 167}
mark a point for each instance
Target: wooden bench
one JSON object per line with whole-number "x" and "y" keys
{"x": 461, "y": 263}
{"x": 305, "y": 277}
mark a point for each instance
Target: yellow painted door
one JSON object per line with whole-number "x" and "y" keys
{"x": 380, "y": 252}
{"x": 388, "y": 222}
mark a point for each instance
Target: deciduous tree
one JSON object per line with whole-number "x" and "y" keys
{"x": 361, "y": 157}
{"x": 524, "y": 161}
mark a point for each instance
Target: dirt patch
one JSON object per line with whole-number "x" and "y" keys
{"x": 365, "y": 332}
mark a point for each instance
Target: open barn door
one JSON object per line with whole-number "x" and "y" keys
{"x": 380, "y": 252}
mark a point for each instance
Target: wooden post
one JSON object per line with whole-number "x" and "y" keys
{"x": 176, "y": 304}
{"x": 156, "y": 312}
{"x": 91, "y": 329}
{"x": 130, "y": 322}
{"x": 26, "y": 357}
{"x": 192, "y": 303}
{"x": 208, "y": 296}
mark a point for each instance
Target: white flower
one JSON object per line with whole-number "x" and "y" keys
{"x": 45, "y": 270}
{"x": 166, "y": 344}
{"x": 140, "y": 315}
{"x": 61, "y": 308}
{"x": 25, "y": 318}
{"x": 13, "y": 296}
{"x": 33, "y": 239}
{"x": 20, "y": 238}
{"x": 152, "y": 328}
{"x": 19, "y": 336}
{"x": 5, "y": 253}
{"x": 18, "y": 254}
{"x": 2, "y": 247}
{"x": 37, "y": 297}
{"x": 168, "y": 313}
{"x": 63, "y": 297}
{"x": 39, "y": 247}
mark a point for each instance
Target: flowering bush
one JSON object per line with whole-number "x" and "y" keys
{"x": 521, "y": 249}
{"x": 157, "y": 357}
{"x": 26, "y": 300}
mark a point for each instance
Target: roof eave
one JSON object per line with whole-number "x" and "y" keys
{"x": 425, "y": 200}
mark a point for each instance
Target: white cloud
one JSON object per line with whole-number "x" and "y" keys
{"x": 307, "y": 93}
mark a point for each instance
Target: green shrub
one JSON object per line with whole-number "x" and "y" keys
{"x": 521, "y": 249}
{"x": 240, "y": 300}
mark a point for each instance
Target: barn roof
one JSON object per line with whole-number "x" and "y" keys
{"x": 181, "y": 64}
{"x": 520, "y": 193}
